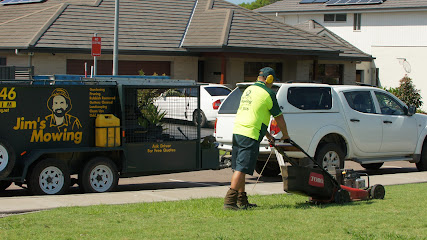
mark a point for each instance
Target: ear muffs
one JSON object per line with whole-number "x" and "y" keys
{"x": 269, "y": 79}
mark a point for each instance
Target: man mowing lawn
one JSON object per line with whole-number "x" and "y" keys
{"x": 257, "y": 104}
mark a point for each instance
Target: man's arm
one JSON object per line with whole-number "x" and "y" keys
{"x": 282, "y": 125}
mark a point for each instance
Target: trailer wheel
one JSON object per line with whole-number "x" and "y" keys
{"x": 372, "y": 166}
{"x": 342, "y": 196}
{"x": 203, "y": 119}
{"x": 377, "y": 191}
{"x": 99, "y": 175}
{"x": 4, "y": 185}
{"x": 7, "y": 158}
{"x": 330, "y": 155}
{"x": 49, "y": 176}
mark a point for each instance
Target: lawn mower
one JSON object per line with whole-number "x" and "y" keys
{"x": 321, "y": 185}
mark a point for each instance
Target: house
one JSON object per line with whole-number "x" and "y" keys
{"x": 206, "y": 40}
{"x": 392, "y": 31}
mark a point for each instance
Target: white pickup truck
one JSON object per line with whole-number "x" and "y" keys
{"x": 336, "y": 122}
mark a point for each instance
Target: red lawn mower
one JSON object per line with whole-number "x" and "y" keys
{"x": 318, "y": 183}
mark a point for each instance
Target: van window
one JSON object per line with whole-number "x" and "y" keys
{"x": 310, "y": 98}
{"x": 232, "y": 101}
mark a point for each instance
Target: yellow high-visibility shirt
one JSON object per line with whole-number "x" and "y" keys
{"x": 257, "y": 104}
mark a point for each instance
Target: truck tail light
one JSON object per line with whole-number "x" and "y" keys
{"x": 274, "y": 128}
{"x": 216, "y": 104}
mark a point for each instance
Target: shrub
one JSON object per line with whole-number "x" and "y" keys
{"x": 407, "y": 92}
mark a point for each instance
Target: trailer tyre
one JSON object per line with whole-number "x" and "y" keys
{"x": 377, "y": 191}
{"x": 99, "y": 175}
{"x": 49, "y": 177}
{"x": 7, "y": 158}
{"x": 330, "y": 155}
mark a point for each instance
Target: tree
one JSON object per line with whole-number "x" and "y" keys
{"x": 407, "y": 92}
{"x": 257, "y": 4}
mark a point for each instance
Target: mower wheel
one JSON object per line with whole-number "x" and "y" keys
{"x": 342, "y": 196}
{"x": 377, "y": 191}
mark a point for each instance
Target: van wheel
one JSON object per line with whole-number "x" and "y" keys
{"x": 272, "y": 169}
{"x": 330, "y": 155}
{"x": 4, "y": 185}
{"x": 49, "y": 176}
{"x": 422, "y": 164}
{"x": 99, "y": 175}
{"x": 372, "y": 166}
{"x": 203, "y": 119}
{"x": 7, "y": 158}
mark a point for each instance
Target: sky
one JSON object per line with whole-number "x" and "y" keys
{"x": 240, "y": 1}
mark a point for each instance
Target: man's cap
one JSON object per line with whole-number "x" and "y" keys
{"x": 267, "y": 71}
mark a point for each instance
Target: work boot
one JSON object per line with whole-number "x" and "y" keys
{"x": 230, "y": 200}
{"x": 242, "y": 201}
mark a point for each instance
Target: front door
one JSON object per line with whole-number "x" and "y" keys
{"x": 399, "y": 129}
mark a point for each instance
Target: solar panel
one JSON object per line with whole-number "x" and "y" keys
{"x": 320, "y": 1}
{"x": 306, "y": 1}
{"x": 352, "y": 2}
{"x": 9, "y": 2}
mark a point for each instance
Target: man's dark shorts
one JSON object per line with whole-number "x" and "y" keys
{"x": 245, "y": 154}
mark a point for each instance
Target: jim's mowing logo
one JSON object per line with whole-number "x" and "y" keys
{"x": 59, "y": 126}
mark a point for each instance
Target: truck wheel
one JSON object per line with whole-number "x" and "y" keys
{"x": 99, "y": 175}
{"x": 49, "y": 176}
{"x": 4, "y": 185}
{"x": 422, "y": 164}
{"x": 372, "y": 166}
{"x": 7, "y": 158}
{"x": 271, "y": 170}
{"x": 203, "y": 119}
{"x": 330, "y": 156}
{"x": 377, "y": 191}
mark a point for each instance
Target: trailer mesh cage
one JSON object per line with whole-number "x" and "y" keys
{"x": 162, "y": 114}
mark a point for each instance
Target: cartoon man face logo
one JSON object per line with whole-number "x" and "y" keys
{"x": 59, "y": 103}
{"x": 59, "y": 106}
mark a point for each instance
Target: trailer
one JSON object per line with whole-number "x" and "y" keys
{"x": 93, "y": 132}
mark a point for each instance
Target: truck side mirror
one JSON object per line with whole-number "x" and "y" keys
{"x": 411, "y": 110}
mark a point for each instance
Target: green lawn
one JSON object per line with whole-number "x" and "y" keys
{"x": 401, "y": 215}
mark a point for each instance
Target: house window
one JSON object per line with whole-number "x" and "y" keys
{"x": 2, "y": 61}
{"x": 357, "y": 21}
{"x": 342, "y": 17}
{"x": 252, "y": 70}
{"x": 331, "y": 73}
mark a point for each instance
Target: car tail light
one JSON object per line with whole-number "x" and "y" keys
{"x": 216, "y": 120}
{"x": 216, "y": 104}
{"x": 274, "y": 128}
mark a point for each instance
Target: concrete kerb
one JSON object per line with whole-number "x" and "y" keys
{"x": 14, "y": 205}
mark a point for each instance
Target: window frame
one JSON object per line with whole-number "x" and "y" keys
{"x": 357, "y": 22}
{"x": 335, "y": 17}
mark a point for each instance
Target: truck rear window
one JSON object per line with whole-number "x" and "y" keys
{"x": 310, "y": 98}
{"x": 232, "y": 102}
{"x": 218, "y": 91}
